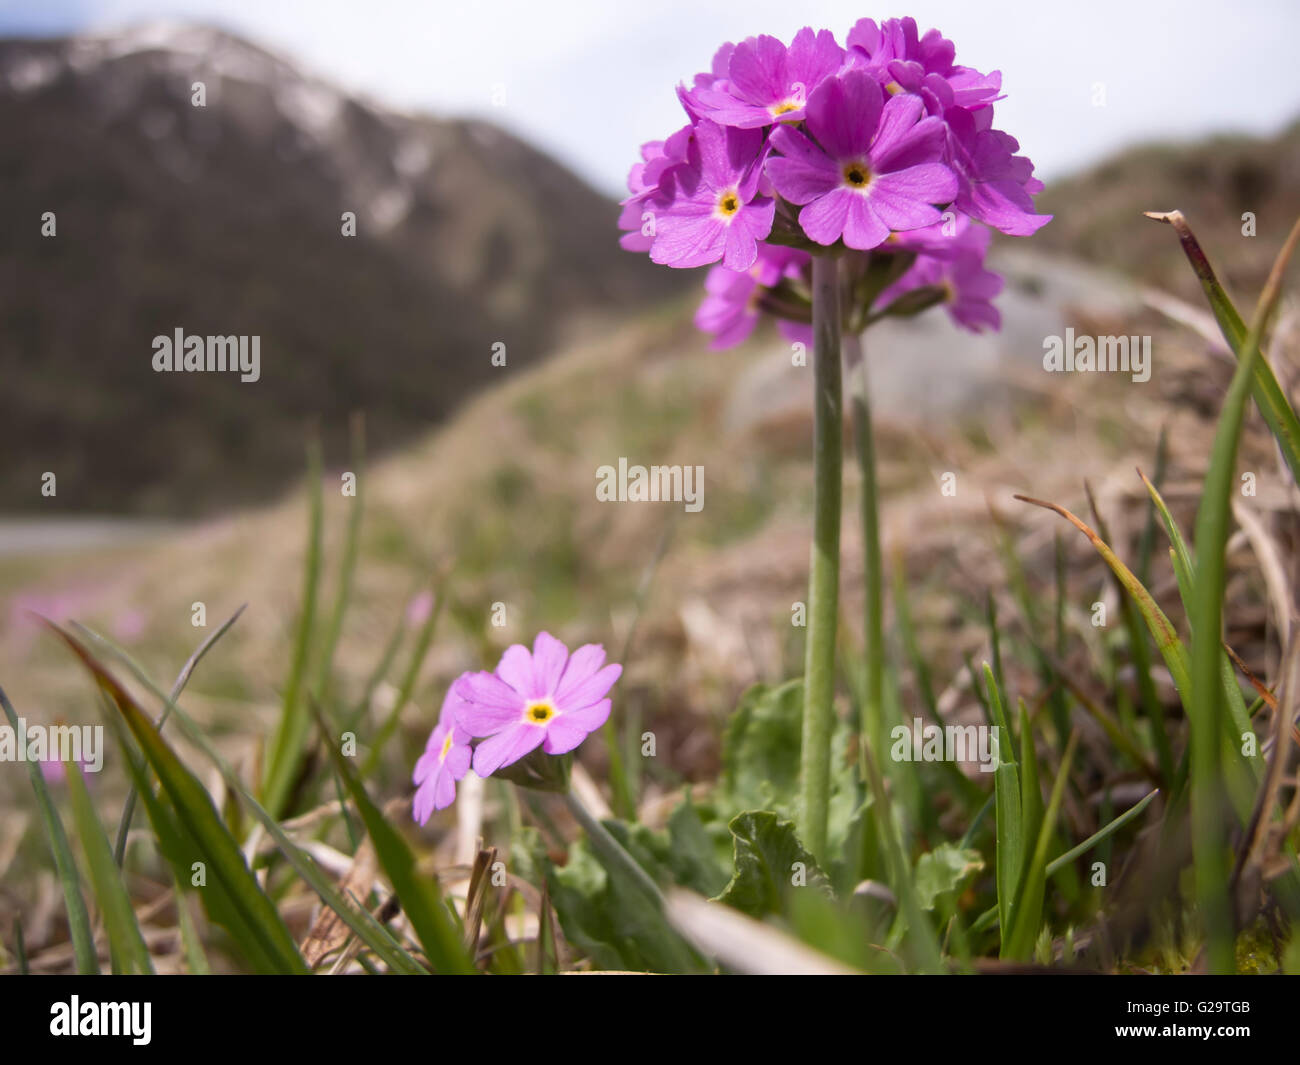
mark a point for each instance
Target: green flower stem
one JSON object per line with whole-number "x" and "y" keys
{"x": 865, "y": 443}
{"x": 611, "y": 851}
{"x": 824, "y": 570}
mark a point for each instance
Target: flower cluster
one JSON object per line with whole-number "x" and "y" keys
{"x": 883, "y": 150}
{"x": 545, "y": 698}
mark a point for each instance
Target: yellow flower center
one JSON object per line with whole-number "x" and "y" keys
{"x": 539, "y": 713}
{"x": 728, "y": 204}
{"x": 785, "y": 108}
{"x": 446, "y": 747}
{"x": 893, "y": 88}
{"x": 856, "y": 175}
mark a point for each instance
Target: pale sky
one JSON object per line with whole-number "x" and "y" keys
{"x": 588, "y": 80}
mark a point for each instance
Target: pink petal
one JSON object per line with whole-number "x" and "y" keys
{"x": 549, "y": 659}
{"x": 507, "y": 746}
{"x": 902, "y": 214}
{"x": 422, "y": 806}
{"x": 445, "y": 793}
{"x": 457, "y": 763}
{"x": 426, "y": 764}
{"x": 490, "y": 704}
{"x": 899, "y": 116}
{"x": 863, "y": 230}
{"x": 686, "y": 243}
{"x": 591, "y": 689}
{"x": 585, "y": 661}
{"x": 565, "y": 732}
{"x": 904, "y": 191}
{"x": 516, "y": 669}
{"x": 843, "y": 113}
{"x": 824, "y": 219}
{"x": 757, "y": 69}
{"x": 802, "y": 172}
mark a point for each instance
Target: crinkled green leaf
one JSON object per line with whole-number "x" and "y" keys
{"x": 945, "y": 871}
{"x": 769, "y": 863}
{"x": 761, "y": 766}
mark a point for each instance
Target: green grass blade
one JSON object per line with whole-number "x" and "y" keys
{"x": 290, "y": 740}
{"x": 1029, "y": 906}
{"x": 407, "y": 687}
{"x": 368, "y": 930}
{"x": 1010, "y": 835}
{"x": 1269, "y": 397}
{"x": 1102, "y": 834}
{"x": 347, "y": 566}
{"x": 373, "y": 934}
{"x": 419, "y": 896}
{"x": 1162, "y": 629}
{"x": 257, "y": 923}
{"x": 1211, "y": 856}
{"x": 128, "y": 809}
{"x": 196, "y": 959}
{"x": 359, "y": 708}
{"x": 1139, "y": 649}
{"x": 1238, "y": 721}
{"x": 1031, "y": 795}
{"x": 126, "y": 945}
{"x": 83, "y": 943}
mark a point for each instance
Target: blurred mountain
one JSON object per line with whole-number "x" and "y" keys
{"x": 226, "y": 219}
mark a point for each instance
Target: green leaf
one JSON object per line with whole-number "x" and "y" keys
{"x": 126, "y": 945}
{"x": 252, "y": 919}
{"x": 761, "y": 760}
{"x": 692, "y": 852}
{"x": 945, "y": 872}
{"x": 769, "y": 863}
{"x": 760, "y": 749}
{"x": 83, "y": 943}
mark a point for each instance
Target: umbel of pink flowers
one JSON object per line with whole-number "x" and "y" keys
{"x": 884, "y": 148}
{"x": 545, "y": 698}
